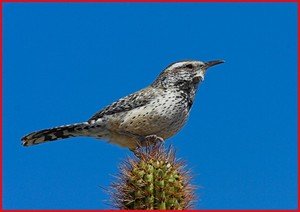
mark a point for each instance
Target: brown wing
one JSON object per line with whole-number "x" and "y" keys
{"x": 135, "y": 100}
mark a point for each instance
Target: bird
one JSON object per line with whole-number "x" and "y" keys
{"x": 157, "y": 111}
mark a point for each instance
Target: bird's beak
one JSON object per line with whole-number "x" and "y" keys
{"x": 213, "y": 63}
{"x": 201, "y": 72}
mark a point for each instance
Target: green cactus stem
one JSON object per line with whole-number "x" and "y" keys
{"x": 152, "y": 179}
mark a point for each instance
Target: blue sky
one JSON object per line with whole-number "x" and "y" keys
{"x": 64, "y": 62}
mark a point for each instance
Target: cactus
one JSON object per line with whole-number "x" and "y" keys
{"x": 152, "y": 179}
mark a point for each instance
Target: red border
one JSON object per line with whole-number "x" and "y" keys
{"x": 298, "y": 30}
{"x": 157, "y": 1}
{"x": 1, "y": 65}
{"x": 136, "y": 1}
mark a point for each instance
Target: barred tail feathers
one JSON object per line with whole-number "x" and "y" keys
{"x": 55, "y": 133}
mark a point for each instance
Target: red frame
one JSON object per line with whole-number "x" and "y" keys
{"x": 138, "y": 1}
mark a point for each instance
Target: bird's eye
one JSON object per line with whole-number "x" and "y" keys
{"x": 189, "y": 66}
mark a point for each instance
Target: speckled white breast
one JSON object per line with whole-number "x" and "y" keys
{"x": 163, "y": 116}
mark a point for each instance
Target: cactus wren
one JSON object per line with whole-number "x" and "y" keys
{"x": 159, "y": 110}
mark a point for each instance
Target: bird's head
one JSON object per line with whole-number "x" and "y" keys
{"x": 184, "y": 74}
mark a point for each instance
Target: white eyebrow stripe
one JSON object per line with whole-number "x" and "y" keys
{"x": 176, "y": 65}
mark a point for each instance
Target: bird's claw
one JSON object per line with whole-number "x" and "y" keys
{"x": 152, "y": 139}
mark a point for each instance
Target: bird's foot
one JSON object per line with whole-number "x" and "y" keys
{"x": 136, "y": 152}
{"x": 148, "y": 142}
{"x": 153, "y": 142}
{"x": 153, "y": 139}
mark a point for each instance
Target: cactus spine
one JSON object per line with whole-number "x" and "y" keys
{"x": 154, "y": 179}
